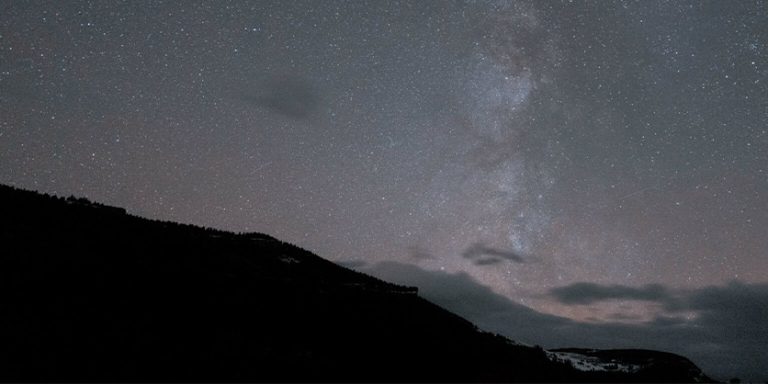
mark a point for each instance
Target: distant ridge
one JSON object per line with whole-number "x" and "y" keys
{"x": 91, "y": 293}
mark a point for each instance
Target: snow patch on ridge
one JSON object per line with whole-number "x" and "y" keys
{"x": 591, "y": 363}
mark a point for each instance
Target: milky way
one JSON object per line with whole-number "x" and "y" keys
{"x": 526, "y": 146}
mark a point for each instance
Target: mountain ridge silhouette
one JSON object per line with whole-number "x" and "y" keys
{"x": 92, "y": 293}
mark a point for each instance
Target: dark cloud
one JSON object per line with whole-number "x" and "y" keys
{"x": 588, "y": 293}
{"x": 418, "y": 254}
{"x": 463, "y": 295}
{"x": 484, "y": 255}
{"x": 487, "y": 261}
{"x": 294, "y": 97}
{"x": 725, "y": 337}
{"x": 353, "y": 264}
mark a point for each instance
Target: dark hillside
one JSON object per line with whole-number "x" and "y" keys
{"x": 90, "y": 293}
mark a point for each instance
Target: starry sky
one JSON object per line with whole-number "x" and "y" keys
{"x": 600, "y": 165}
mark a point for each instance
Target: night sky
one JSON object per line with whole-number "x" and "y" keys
{"x": 597, "y": 166}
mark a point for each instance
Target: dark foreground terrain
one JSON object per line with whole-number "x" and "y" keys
{"x": 90, "y": 293}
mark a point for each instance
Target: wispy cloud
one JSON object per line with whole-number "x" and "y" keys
{"x": 294, "y": 97}
{"x": 484, "y": 255}
{"x": 588, "y": 293}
